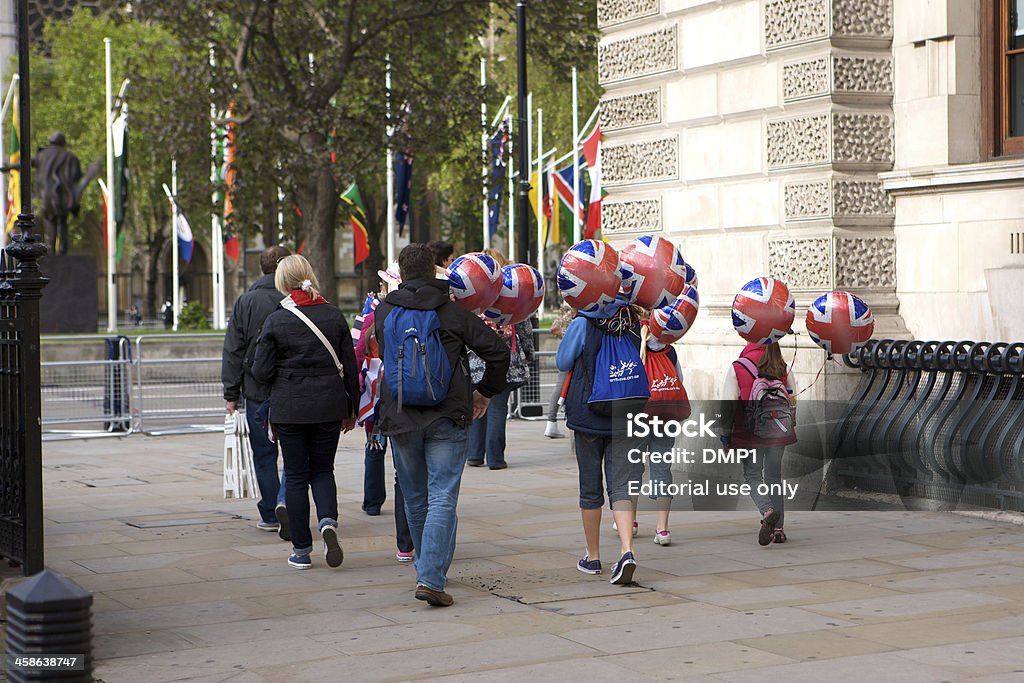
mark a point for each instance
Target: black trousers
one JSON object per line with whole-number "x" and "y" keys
{"x": 308, "y": 451}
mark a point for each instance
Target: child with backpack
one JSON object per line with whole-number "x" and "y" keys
{"x": 608, "y": 381}
{"x": 766, "y": 421}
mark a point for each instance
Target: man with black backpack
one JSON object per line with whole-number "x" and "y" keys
{"x": 427, "y": 401}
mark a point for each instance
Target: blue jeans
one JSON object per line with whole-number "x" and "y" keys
{"x": 264, "y": 460}
{"x": 487, "y": 435}
{"x": 430, "y": 464}
{"x": 768, "y": 470}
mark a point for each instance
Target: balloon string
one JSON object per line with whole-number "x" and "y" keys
{"x": 816, "y": 377}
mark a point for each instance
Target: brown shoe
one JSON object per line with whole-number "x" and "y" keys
{"x": 432, "y": 597}
{"x": 768, "y": 522}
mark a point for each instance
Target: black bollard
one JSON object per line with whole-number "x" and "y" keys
{"x": 49, "y": 630}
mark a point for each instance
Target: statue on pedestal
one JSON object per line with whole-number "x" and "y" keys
{"x": 60, "y": 183}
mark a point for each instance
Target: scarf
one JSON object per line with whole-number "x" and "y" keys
{"x": 301, "y": 298}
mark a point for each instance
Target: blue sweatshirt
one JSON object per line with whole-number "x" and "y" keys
{"x": 571, "y": 345}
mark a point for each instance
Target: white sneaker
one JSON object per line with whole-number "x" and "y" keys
{"x": 662, "y": 537}
{"x": 552, "y": 431}
{"x": 636, "y": 528}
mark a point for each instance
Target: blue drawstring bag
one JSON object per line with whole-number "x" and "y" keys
{"x": 620, "y": 380}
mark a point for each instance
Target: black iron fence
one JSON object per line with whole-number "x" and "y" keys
{"x": 942, "y": 421}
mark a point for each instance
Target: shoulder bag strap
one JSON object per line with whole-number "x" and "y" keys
{"x": 320, "y": 335}
{"x": 748, "y": 365}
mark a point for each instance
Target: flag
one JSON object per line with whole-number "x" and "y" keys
{"x": 554, "y": 236}
{"x": 184, "y": 233}
{"x": 231, "y": 245}
{"x": 592, "y": 153}
{"x": 14, "y": 176}
{"x": 499, "y": 150}
{"x": 119, "y": 135}
{"x": 119, "y": 240}
{"x": 403, "y": 188}
{"x": 564, "y": 192}
{"x": 357, "y": 217}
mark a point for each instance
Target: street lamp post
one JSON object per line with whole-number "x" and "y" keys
{"x": 22, "y": 446}
{"x": 522, "y": 248}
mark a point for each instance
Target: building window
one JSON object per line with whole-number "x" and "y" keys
{"x": 1003, "y": 76}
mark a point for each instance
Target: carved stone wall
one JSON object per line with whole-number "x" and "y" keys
{"x": 863, "y": 138}
{"x": 788, "y": 22}
{"x": 833, "y": 74}
{"x": 802, "y": 263}
{"x": 807, "y": 200}
{"x": 640, "y": 55}
{"x": 866, "y": 262}
{"x": 852, "y": 197}
{"x": 642, "y": 161}
{"x": 611, "y": 12}
{"x": 630, "y": 111}
{"x": 793, "y": 22}
{"x": 639, "y": 215}
{"x": 799, "y": 141}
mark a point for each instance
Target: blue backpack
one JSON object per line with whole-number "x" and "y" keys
{"x": 619, "y": 379}
{"x": 416, "y": 366}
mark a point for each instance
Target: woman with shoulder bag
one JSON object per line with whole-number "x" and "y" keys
{"x": 305, "y": 354}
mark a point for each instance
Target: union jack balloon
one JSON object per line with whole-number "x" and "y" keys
{"x": 763, "y": 311}
{"x": 691, "y": 275}
{"x": 840, "y": 322}
{"x": 522, "y": 289}
{"x": 658, "y": 271}
{"x": 475, "y": 281}
{"x": 589, "y": 276}
{"x": 669, "y": 323}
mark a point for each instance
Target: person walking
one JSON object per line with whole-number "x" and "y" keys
{"x": 243, "y": 330}
{"x": 167, "y": 312}
{"x": 759, "y": 387}
{"x": 374, "y": 490}
{"x": 595, "y": 409}
{"x": 426, "y": 403}
{"x": 565, "y": 316}
{"x": 305, "y": 354}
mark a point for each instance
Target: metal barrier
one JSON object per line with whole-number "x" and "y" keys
{"x": 93, "y": 396}
{"x": 937, "y": 420}
{"x": 531, "y": 401}
{"x": 181, "y": 385}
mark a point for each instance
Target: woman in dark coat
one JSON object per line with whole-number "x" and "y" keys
{"x": 313, "y": 398}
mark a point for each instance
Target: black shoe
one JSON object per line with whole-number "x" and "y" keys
{"x": 433, "y": 598}
{"x": 332, "y": 549}
{"x": 622, "y": 572}
{"x": 372, "y": 512}
{"x": 768, "y": 522}
{"x": 499, "y": 466}
{"x": 475, "y": 463}
{"x": 281, "y": 512}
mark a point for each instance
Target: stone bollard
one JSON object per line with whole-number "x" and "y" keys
{"x": 49, "y": 630}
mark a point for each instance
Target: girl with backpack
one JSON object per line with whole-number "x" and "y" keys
{"x": 759, "y": 380}
{"x": 608, "y": 380}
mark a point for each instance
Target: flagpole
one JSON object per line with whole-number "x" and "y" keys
{"x": 175, "y": 294}
{"x": 111, "y": 228}
{"x": 576, "y": 228}
{"x": 540, "y": 199}
{"x": 390, "y": 218}
{"x": 511, "y": 233}
{"x": 216, "y": 245}
{"x": 527, "y": 169}
{"x": 3, "y": 151}
{"x": 483, "y": 150}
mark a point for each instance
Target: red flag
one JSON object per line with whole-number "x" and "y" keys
{"x": 592, "y": 153}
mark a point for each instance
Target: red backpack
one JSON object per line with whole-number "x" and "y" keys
{"x": 668, "y": 395}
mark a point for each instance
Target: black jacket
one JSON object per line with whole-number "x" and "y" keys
{"x": 459, "y": 329}
{"x": 247, "y": 317}
{"x": 305, "y": 387}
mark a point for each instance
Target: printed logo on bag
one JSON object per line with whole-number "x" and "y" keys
{"x": 413, "y": 330}
{"x": 666, "y": 383}
{"x": 624, "y": 371}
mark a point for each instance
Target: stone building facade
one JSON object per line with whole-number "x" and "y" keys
{"x": 833, "y": 144}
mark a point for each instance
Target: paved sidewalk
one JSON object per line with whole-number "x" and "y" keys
{"x": 187, "y": 589}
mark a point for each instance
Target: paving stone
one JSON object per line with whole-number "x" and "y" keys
{"x": 817, "y": 645}
{"x": 873, "y": 667}
{"x": 696, "y": 660}
{"x": 902, "y": 606}
{"x": 977, "y": 658}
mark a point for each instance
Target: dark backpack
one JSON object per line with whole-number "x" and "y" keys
{"x": 619, "y": 379}
{"x": 416, "y": 366}
{"x": 769, "y": 413}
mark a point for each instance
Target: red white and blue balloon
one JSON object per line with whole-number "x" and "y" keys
{"x": 669, "y": 323}
{"x": 763, "y": 311}
{"x": 840, "y": 322}
{"x": 589, "y": 276}
{"x": 475, "y": 281}
{"x": 522, "y": 290}
{"x": 657, "y": 271}
{"x": 691, "y": 275}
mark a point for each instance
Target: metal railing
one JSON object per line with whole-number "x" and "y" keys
{"x": 89, "y": 397}
{"x": 937, "y": 420}
{"x": 182, "y": 385}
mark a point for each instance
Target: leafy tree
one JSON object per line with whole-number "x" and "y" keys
{"x": 68, "y": 94}
{"x": 293, "y": 71}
